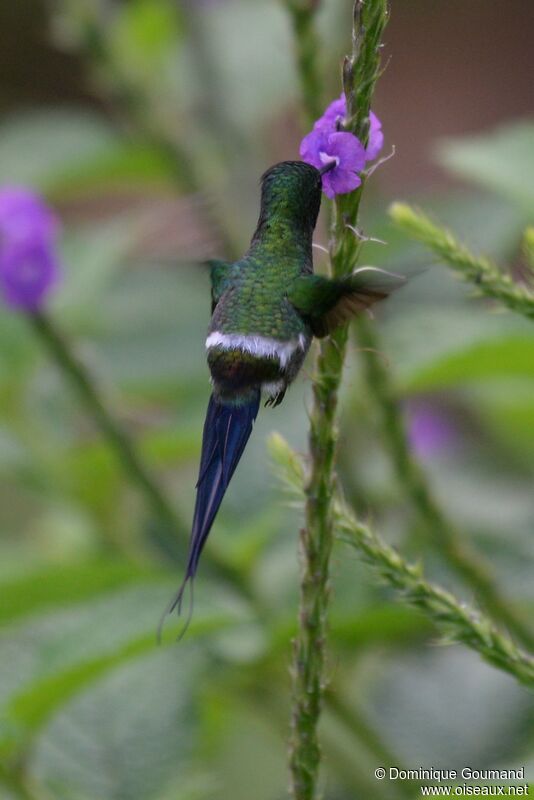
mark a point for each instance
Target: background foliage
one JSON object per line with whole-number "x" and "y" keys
{"x": 154, "y": 168}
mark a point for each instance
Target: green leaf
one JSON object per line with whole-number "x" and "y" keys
{"x": 381, "y": 624}
{"x": 507, "y": 409}
{"x": 68, "y": 584}
{"x": 144, "y": 32}
{"x": 94, "y": 475}
{"x": 119, "y": 164}
{"x": 502, "y": 358}
{"x": 47, "y": 659}
{"x": 30, "y": 709}
{"x": 427, "y": 333}
{"x": 92, "y": 261}
{"x": 229, "y": 50}
{"x": 502, "y": 160}
{"x": 126, "y": 737}
{"x": 34, "y": 145}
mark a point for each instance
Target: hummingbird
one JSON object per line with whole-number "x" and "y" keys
{"x": 266, "y": 308}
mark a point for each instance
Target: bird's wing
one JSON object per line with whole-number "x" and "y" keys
{"x": 329, "y": 302}
{"x": 220, "y": 274}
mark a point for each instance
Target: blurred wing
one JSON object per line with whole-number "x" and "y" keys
{"x": 362, "y": 289}
{"x": 220, "y": 273}
{"x": 329, "y": 303}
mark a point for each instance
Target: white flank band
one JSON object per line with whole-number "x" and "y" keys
{"x": 258, "y": 345}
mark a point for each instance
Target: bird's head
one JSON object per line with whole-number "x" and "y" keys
{"x": 292, "y": 189}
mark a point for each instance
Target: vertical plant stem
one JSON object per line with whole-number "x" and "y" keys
{"x": 442, "y": 535}
{"x": 307, "y": 46}
{"x": 360, "y": 72}
{"x": 342, "y": 761}
{"x": 109, "y": 426}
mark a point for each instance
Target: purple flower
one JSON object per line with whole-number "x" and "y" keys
{"x": 28, "y": 271}
{"x": 376, "y": 137}
{"x": 335, "y": 115}
{"x": 29, "y": 265}
{"x": 430, "y": 431}
{"x": 23, "y": 214}
{"x": 321, "y": 147}
{"x": 327, "y": 143}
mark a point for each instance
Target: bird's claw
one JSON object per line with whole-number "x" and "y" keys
{"x": 275, "y": 399}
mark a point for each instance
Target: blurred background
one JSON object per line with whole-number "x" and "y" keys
{"x": 146, "y": 124}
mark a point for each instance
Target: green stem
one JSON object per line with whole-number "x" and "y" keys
{"x": 110, "y": 428}
{"x": 456, "y": 620}
{"x": 442, "y": 535}
{"x": 307, "y": 47}
{"x": 316, "y": 539}
{"x": 342, "y": 762}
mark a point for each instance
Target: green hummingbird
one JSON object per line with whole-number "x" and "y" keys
{"x": 266, "y": 308}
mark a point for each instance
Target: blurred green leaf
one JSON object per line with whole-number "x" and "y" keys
{"x": 171, "y": 446}
{"x": 250, "y": 759}
{"x": 30, "y": 709}
{"x": 381, "y": 624}
{"x": 117, "y": 166}
{"x": 419, "y": 682}
{"x": 67, "y": 585}
{"x": 196, "y": 787}
{"x": 240, "y": 543}
{"x": 50, "y": 658}
{"x": 92, "y": 261}
{"x": 507, "y": 408}
{"x": 144, "y": 32}
{"x": 503, "y": 357}
{"x": 222, "y": 31}
{"x": 93, "y": 475}
{"x": 36, "y": 145}
{"x": 126, "y": 737}
{"x": 151, "y": 332}
{"x": 502, "y": 160}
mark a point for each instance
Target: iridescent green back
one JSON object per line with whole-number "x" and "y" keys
{"x": 254, "y": 296}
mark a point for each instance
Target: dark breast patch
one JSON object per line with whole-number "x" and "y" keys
{"x": 235, "y": 369}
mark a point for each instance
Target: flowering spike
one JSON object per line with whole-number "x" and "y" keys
{"x": 328, "y": 143}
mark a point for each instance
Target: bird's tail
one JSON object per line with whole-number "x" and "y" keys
{"x": 226, "y": 432}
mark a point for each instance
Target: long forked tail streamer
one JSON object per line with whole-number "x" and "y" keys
{"x": 227, "y": 429}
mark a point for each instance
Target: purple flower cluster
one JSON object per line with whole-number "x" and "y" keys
{"x": 29, "y": 265}
{"x": 326, "y": 143}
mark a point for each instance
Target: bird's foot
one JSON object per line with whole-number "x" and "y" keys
{"x": 275, "y": 399}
